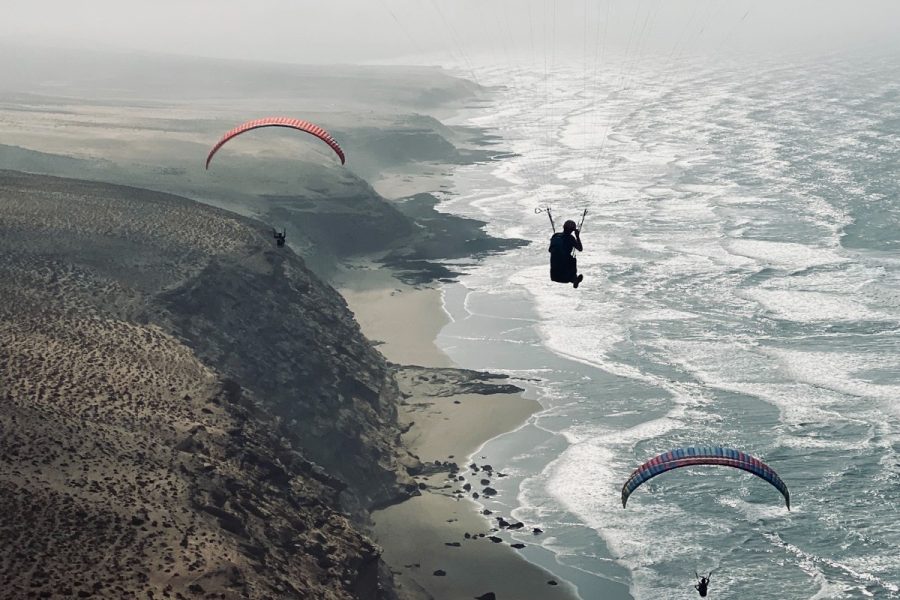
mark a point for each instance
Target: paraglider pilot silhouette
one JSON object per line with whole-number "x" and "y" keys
{"x": 703, "y": 583}
{"x": 563, "y": 244}
{"x": 279, "y": 237}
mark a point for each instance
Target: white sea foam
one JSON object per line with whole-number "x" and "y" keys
{"x": 806, "y": 307}
{"x": 813, "y": 559}
{"x": 783, "y": 254}
{"x": 838, "y": 371}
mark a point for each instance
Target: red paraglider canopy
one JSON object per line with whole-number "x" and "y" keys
{"x": 306, "y": 126}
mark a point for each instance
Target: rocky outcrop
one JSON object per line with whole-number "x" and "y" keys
{"x": 439, "y": 236}
{"x": 447, "y": 382}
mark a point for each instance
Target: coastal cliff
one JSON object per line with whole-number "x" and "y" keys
{"x": 186, "y": 410}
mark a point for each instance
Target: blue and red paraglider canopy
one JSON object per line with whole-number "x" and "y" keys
{"x": 712, "y": 455}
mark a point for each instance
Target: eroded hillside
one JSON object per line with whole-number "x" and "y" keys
{"x": 185, "y": 409}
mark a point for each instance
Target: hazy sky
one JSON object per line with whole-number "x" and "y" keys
{"x": 360, "y": 30}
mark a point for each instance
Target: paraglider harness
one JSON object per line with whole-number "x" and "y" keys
{"x": 279, "y": 237}
{"x": 563, "y": 266}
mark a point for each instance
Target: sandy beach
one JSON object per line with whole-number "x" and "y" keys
{"x": 427, "y": 534}
{"x": 401, "y": 319}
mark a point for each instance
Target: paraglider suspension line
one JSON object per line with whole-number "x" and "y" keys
{"x": 538, "y": 211}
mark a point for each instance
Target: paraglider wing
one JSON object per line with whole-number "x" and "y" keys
{"x": 301, "y": 125}
{"x": 687, "y": 457}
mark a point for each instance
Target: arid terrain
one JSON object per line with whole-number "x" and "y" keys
{"x": 141, "y": 457}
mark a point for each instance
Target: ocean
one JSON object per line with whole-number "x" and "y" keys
{"x": 742, "y": 288}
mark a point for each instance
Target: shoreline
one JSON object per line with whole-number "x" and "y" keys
{"x": 427, "y": 534}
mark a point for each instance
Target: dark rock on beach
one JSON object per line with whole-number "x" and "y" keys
{"x": 440, "y": 236}
{"x": 448, "y": 382}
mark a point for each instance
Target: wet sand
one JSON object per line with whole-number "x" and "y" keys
{"x": 400, "y": 319}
